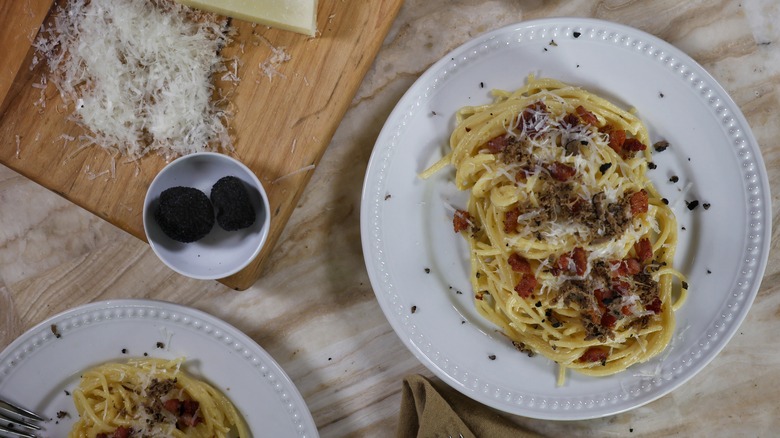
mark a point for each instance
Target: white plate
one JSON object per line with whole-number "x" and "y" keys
{"x": 39, "y": 370}
{"x": 406, "y": 226}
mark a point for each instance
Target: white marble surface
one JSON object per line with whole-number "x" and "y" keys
{"x": 314, "y": 311}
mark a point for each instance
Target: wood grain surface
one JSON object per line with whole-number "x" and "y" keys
{"x": 282, "y": 124}
{"x": 313, "y": 309}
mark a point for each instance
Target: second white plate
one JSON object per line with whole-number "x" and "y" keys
{"x": 40, "y": 369}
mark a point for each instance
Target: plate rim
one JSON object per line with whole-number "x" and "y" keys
{"x": 569, "y": 25}
{"x": 41, "y": 333}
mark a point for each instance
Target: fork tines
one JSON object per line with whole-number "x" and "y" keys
{"x": 16, "y": 421}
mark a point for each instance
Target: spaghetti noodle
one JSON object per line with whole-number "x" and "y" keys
{"x": 151, "y": 398}
{"x": 571, "y": 246}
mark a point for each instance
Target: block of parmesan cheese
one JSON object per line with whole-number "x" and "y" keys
{"x": 295, "y": 15}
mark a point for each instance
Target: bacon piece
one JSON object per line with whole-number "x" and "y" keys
{"x": 577, "y": 204}
{"x": 563, "y": 263}
{"x": 519, "y": 263}
{"x": 120, "y": 432}
{"x": 524, "y": 172}
{"x": 633, "y": 145}
{"x": 189, "y": 421}
{"x": 655, "y": 306}
{"x": 593, "y": 314}
{"x": 625, "y": 267}
{"x": 597, "y": 353}
{"x": 626, "y": 310}
{"x": 530, "y": 118}
{"x": 580, "y": 260}
{"x": 578, "y": 256}
{"x": 633, "y": 266}
{"x": 461, "y": 220}
{"x": 621, "y": 287}
{"x": 525, "y": 288}
{"x": 189, "y": 413}
{"x": 616, "y": 140}
{"x": 186, "y": 412}
{"x": 608, "y": 320}
{"x": 586, "y": 116}
{"x": 498, "y": 144}
{"x": 571, "y": 119}
{"x": 644, "y": 250}
{"x": 538, "y": 106}
{"x": 639, "y": 202}
{"x": 173, "y": 406}
{"x": 510, "y": 220}
{"x": 603, "y": 296}
{"x": 561, "y": 172}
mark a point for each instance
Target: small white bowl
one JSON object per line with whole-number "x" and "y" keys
{"x": 220, "y": 253}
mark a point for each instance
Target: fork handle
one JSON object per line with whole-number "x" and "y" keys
{"x": 7, "y": 432}
{"x": 18, "y": 410}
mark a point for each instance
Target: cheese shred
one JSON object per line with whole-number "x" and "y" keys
{"x": 138, "y": 74}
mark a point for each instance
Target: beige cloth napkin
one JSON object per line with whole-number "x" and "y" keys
{"x": 430, "y": 408}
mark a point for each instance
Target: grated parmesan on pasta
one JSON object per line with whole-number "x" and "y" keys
{"x": 139, "y": 75}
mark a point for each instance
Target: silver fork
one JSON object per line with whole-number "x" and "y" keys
{"x": 16, "y": 421}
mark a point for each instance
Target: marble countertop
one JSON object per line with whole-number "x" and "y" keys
{"x": 54, "y": 256}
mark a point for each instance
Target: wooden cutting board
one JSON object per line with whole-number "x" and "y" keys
{"x": 281, "y": 125}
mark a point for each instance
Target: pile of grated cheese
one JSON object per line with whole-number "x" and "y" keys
{"x": 139, "y": 75}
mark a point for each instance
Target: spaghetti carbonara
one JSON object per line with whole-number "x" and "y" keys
{"x": 151, "y": 398}
{"x": 571, "y": 245}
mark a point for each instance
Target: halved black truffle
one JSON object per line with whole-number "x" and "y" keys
{"x": 232, "y": 204}
{"x": 184, "y": 214}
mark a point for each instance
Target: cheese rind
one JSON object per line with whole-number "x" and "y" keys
{"x": 295, "y": 15}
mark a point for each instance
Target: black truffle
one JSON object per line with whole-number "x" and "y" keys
{"x": 231, "y": 202}
{"x": 184, "y": 214}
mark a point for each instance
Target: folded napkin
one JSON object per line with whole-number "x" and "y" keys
{"x": 430, "y": 408}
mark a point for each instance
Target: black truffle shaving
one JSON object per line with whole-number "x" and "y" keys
{"x": 231, "y": 202}
{"x": 184, "y": 214}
